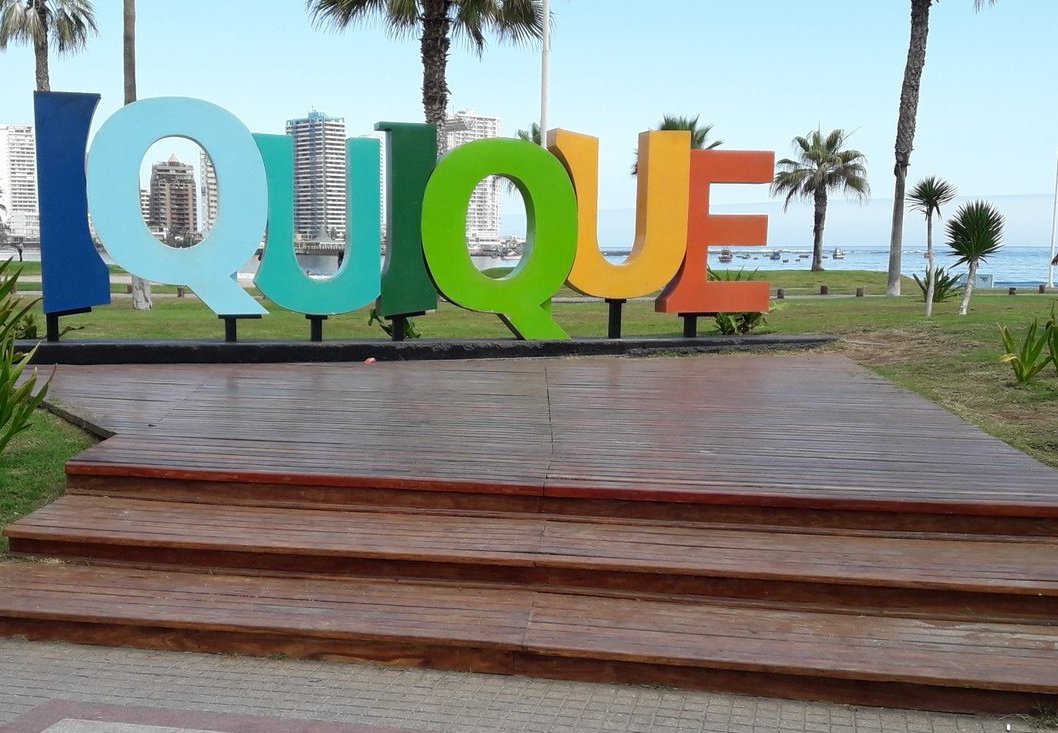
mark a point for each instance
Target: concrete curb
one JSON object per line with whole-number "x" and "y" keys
{"x": 274, "y": 352}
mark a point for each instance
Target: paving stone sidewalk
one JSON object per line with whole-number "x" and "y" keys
{"x": 34, "y": 673}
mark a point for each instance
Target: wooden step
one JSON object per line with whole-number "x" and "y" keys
{"x": 912, "y": 574}
{"x": 708, "y": 644}
{"x": 299, "y": 491}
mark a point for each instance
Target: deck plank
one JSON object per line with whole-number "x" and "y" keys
{"x": 342, "y": 541}
{"x": 813, "y": 431}
{"x": 707, "y": 635}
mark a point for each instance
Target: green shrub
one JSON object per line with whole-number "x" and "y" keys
{"x": 730, "y": 324}
{"x": 1052, "y": 337}
{"x": 411, "y": 331}
{"x": 17, "y": 401}
{"x": 945, "y": 285}
{"x": 26, "y": 328}
{"x": 1028, "y": 359}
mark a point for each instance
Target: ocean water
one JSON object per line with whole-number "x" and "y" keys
{"x": 1013, "y": 266}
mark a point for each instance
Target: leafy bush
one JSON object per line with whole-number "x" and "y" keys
{"x": 730, "y": 324}
{"x": 17, "y": 402}
{"x": 411, "y": 331}
{"x": 26, "y": 328}
{"x": 1028, "y": 359}
{"x": 945, "y": 285}
{"x": 1052, "y": 338}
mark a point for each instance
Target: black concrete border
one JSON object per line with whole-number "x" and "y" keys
{"x": 278, "y": 352}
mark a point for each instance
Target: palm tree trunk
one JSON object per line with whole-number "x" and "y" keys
{"x": 141, "y": 289}
{"x": 971, "y": 275}
{"x": 40, "y": 53}
{"x": 818, "y": 222}
{"x": 129, "y": 50}
{"x": 905, "y": 133}
{"x": 434, "y": 46}
{"x": 930, "y": 272}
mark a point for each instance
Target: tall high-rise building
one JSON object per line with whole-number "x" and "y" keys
{"x": 173, "y": 203}
{"x": 483, "y": 214}
{"x": 319, "y": 175}
{"x": 382, "y": 177}
{"x": 208, "y": 190}
{"x": 145, "y": 204}
{"x": 18, "y": 181}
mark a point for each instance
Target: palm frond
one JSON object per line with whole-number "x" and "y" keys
{"x": 67, "y": 23}
{"x": 822, "y": 164}
{"x": 400, "y": 18}
{"x": 975, "y": 232}
{"x": 699, "y": 135}
{"x": 929, "y": 194}
{"x": 20, "y": 23}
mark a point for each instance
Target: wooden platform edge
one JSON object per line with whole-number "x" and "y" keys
{"x": 756, "y": 683}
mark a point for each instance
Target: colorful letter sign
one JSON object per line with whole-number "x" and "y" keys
{"x": 209, "y": 267}
{"x": 691, "y": 291}
{"x": 661, "y": 213}
{"x": 426, "y": 218}
{"x": 357, "y": 281}
{"x": 522, "y": 298}
{"x": 73, "y": 275}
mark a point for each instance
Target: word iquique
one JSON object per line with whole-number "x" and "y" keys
{"x": 426, "y": 218}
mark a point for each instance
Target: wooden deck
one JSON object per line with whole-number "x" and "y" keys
{"x": 787, "y": 525}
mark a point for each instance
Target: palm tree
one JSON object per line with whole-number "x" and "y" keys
{"x": 927, "y": 197}
{"x": 822, "y": 165}
{"x": 905, "y": 128}
{"x": 699, "y": 135}
{"x": 974, "y": 234}
{"x": 436, "y": 21}
{"x": 532, "y": 135}
{"x": 66, "y": 24}
{"x": 141, "y": 289}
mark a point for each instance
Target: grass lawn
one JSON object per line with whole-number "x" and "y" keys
{"x": 952, "y": 360}
{"x": 31, "y": 469}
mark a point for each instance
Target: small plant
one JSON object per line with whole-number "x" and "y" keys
{"x": 1028, "y": 359}
{"x": 26, "y": 328}
{"x": 410, "y": 331}
{"x": 733, "y": 275}
{"x": 1043, "y": 719}
{"x": 1052, "y": 337}
{"x": 945, "y": 285}
{"x": 730, "y": 324}
{"x": 17, "y": 401}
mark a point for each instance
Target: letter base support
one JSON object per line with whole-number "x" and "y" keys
{"x": 613, "y": 327}
{"x": 690, "y": 323}
{"x": 51, "y": 321}
{"x": 231, "y": 324}
{"x": 315, "y": 327}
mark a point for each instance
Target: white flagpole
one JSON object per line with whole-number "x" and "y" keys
{"x": 545, "y": 70}
{"x": 1054, "y": 226}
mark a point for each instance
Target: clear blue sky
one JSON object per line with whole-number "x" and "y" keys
{"x": 761, "y": 71}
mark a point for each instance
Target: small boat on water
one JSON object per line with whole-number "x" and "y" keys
{"x": 776, "y": 255}
{"x": 838, "y": 253}
{"x": 726, "y": 256}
